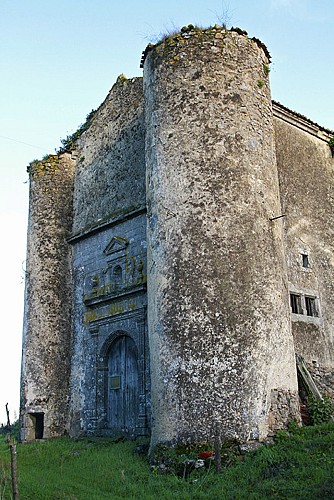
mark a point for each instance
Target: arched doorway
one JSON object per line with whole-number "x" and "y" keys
{"x": 123, "y": 385}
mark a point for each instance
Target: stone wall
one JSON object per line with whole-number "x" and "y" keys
{"x": 324, "y": 379}
{"x": 284, "y": 407}
{"x": 109, "y": 261}
{"x": 48, "y": 300}
{"x": 305, "y": 166}
{"x": 110, "y": 174}
{"x": 105, "y": 310}
{"x": 219, "y": 324}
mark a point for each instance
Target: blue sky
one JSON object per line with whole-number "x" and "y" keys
{"x": 59, "y": 58}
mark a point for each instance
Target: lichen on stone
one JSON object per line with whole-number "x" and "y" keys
{"x": 48, "y": 165}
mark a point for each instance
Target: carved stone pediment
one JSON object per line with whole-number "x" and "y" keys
{"x": 116, "y": 244}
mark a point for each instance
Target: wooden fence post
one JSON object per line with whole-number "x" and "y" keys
{"x": 13, "y": 465}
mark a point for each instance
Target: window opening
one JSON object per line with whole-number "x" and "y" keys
{"x": 310, "y": 305}
{"x": 305, "y": 260}
{"x": 296, "y": 304}
{"x": 117, "y": 275}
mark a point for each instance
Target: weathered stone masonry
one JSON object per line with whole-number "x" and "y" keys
{"x": 46, "y": 361}
{"x": 109, "y": 266}
{"x": 211, "y": 164}
{"x": 223, "y": 181}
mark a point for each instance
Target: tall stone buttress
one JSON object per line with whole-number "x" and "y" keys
{"x": 218, "y": 310}
{"x": 46, "y": 359}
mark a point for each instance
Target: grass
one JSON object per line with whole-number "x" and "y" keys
{"x": 299, "y": 466}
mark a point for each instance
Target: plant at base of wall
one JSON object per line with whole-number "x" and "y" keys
{"x": 321, "y": 410}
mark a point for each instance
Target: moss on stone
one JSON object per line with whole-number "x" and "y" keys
{"x": 171, "y": 45}
{"x": 122, "y": 79}
{"x": 48, "y": 165}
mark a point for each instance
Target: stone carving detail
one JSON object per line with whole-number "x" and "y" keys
{"x": 121, "y": 275}
{"x": 116, "y": 244}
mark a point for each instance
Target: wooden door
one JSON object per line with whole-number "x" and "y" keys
{"x": 123, "y": 386}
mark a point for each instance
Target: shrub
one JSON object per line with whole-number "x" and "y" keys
{"x": 321, "y": 410}
{"x": 70, "y": 142}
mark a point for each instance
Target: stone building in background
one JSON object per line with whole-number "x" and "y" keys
{"x": 180, "y": 254}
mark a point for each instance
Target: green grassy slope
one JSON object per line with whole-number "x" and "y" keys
{"x": 299, "y": 466}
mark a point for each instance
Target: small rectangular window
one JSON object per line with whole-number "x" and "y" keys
{"x": 296, "y": 303}
{"x": 305, "y": 260}
{"x": 310, "y": 305}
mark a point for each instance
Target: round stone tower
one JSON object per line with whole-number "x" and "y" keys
{"x": 222, "y": 356}
{"x": 46, "y": 355}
